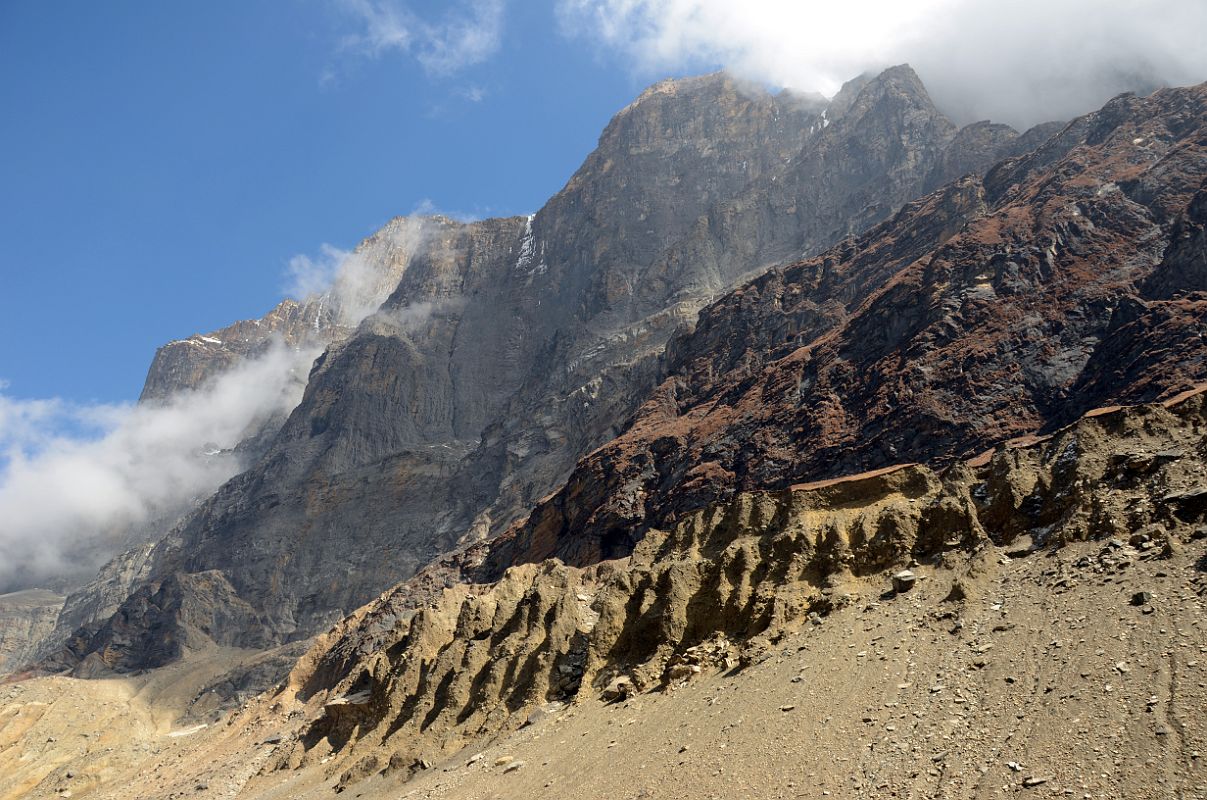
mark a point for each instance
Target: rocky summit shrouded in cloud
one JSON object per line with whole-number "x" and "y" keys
{"x": 79, "y": 482}
{"x": 1019, "y": 62}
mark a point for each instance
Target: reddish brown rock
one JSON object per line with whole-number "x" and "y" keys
{"x": 1070, "y": 278}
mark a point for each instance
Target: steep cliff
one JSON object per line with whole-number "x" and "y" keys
{"x": 26, "y": 619}
{"x": 368, "y": 276}
{"x": 1068, "y": 279}
{"x": 510, "y": 347}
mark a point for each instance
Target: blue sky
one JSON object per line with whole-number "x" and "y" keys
{"x": 162, "y": 162}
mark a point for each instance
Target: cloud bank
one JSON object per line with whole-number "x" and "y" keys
{"x": 1020, "y": 62}
{"x": 469, "y": 33}
{"x": 80, "y": 482}
{"x": 76, "y": 481}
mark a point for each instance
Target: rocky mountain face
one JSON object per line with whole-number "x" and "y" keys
{"x": 96, "y": 600}
{"x": 965, "y": 419}
{"x": 982, "y": 317}
{"x": 292, "y": 331}
{"x": 1066, "y": 279}
{"x": 395, "y": 689}
{"x": 193, "y": 362}
{"x": 26, "y": 618}
{"x": 372, "y": 271}
{"x": 508, "y": 348}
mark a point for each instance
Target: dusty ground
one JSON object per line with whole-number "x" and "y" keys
{"x": 1076, "y": 687}
{"x": 1045, "y": 672}
{"x": 63, "y": 737}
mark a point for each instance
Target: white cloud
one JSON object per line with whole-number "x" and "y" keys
{"x": 74, "y": 479}
{"x": 412, "y": 318}
{"x": 1021, "y": 62}
{"x": 464, "y": 40}
{"x": 23, "y": 422}
{"x": 77, "y": 479}
{"x": 427, "y": 208}
{"x": 474, "y": 94}
{"x": 309, "y": 277}
{"x": 467, "y": 34}
{"x": 387, "y": 26}
{"x": 354, "y": 284}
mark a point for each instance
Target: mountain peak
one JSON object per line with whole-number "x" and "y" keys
{"x": 899, "y": 81}
{"x": 900, "y": 74}
{"x": 870, "y": 89}
{"x": 673, "y": 87}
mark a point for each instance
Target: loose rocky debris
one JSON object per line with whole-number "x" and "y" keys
{"x": 903, "y": 581}
{"x": 719, "y": 591}
{"x": 618, "y": 689}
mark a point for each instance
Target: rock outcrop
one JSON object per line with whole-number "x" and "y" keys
{"x": 26, "y": 619}
{"x": 87, "y": 607}
{"x": 368, "y": 276}
{"x": 717, "y": 589}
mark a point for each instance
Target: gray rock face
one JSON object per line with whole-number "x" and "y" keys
{"x": 25, "y": 620}
{"x": 191, "y": 363}
{"x": 82, "y": 611}
{"x": 377, "y": 265}
{"x": 508, "y": 348}
{"x": 373, "y": 272}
